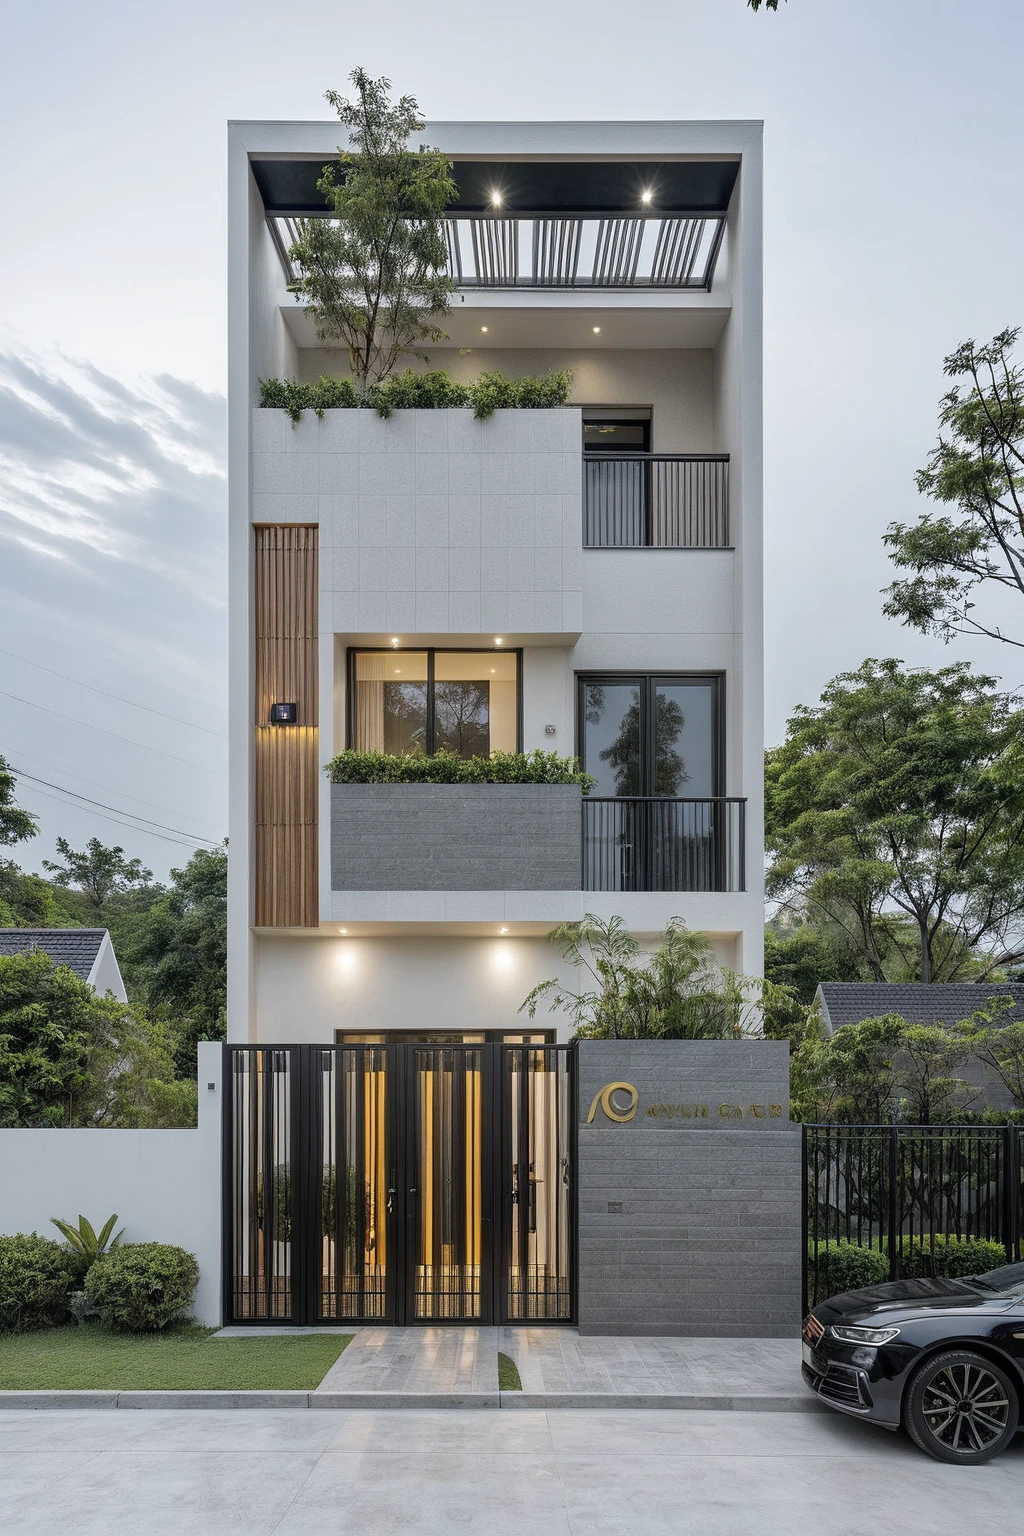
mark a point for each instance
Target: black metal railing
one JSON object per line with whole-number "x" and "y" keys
{"x": 906, "y": 1191}
{"x": 651, "y": 843}
{"x": 655, "y": 501}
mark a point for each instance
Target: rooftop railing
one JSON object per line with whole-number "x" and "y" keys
{"x": 647, "y": 843}
{"x": 656, "y": 501}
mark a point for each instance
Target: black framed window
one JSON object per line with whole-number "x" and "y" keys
{"x": 651, "y": 733}
{"x": 408, "y": 701}
{"x": 609, "y": 431}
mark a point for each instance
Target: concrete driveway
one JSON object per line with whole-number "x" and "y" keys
{"x": 551, "y": 1472}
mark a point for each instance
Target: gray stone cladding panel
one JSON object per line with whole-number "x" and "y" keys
{"x": 689, "y": 1227}
{"x": 704, "y": 1085}
{"x": 455, "y": 837}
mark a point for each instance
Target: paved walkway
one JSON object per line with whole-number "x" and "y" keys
{"x": 417, "y": 1361}
{"x": 558, "y": 1368}
{"x": 442, "y": 1473}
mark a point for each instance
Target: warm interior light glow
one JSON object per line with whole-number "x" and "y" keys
{"x": 504, "y": 930}
{"x": 646, "y": 195}
{"x": 394, "y": 639}
{"x": 485, "y": 329}
{"x": 495, "y": 198}
{"x": 343, "y": 930}
{"x": 497, "y": 639}
{"x": 597, "y": 330}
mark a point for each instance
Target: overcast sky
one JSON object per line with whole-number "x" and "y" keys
{"x": 893, "y": 229}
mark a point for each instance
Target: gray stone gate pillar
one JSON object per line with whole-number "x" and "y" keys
{"x": 689, "y": 1189}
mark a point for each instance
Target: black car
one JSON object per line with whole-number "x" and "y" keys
{"x": 944, "y": 1358}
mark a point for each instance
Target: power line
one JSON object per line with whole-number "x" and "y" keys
{"x": 118, "y": 822}
{"x": 60, "y": 768}
{"x": 194, "y": 837}
{"x": 115, "y": 734}
{"x": 119, "y": 697}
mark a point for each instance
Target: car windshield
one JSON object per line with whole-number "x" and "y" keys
{"x": 1007, "y": 1280}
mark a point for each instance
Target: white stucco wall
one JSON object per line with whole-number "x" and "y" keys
{"x": 306, "y": 988}
{"x": 164, "y": 1185}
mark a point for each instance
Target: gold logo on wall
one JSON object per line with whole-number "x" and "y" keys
{"x": 604, "y": 1097}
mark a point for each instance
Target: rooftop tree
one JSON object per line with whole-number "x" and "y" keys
{"x": 374, "y": 275}
{"x": 976, "y": 471}
{"x": 894, "y": 810}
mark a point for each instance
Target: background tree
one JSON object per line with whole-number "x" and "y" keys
{"x": 674, "y": 992}
{"x": 176, "y": 955}
{"x": 68, "y": 1057}
{"x": 374, "y": 277}
{"x": 99, "y": 873}
{"x": 15, "y": 824}
{"x": 977, "y": 468}
{"x": 895, "y": 809}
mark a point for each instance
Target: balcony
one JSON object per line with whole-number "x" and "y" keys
{"x": 656, "y": 844}
{"x": 656, "y": 501}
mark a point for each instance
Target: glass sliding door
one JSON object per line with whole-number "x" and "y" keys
{"x": 652, "y": 742}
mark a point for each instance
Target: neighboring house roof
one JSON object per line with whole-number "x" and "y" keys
{"x": 848, "y": 1002}
{"x": 87, "y": 951}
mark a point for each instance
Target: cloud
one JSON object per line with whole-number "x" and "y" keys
{"x": 113, "y": 520}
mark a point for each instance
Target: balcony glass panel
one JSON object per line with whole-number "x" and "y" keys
{"x": 474, "y": 702}
{"x": 684, "y": 739}
{"x": 391, "y": 702}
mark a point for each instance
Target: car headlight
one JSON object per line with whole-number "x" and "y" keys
{"x": 864, "y": 1335}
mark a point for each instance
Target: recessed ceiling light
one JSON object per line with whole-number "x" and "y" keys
{"x": 504, "y": 930}
{"x": 597, "y": 330}
{"x": 495, "y": 198}
{"x": 485, "y": 329}
{"x": 343, "y": 930}
{"x": 394, "y": 639}
{"x": 646, "y": 195}
{"x": 497, "y": 639}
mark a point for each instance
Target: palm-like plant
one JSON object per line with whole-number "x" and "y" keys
{"x": 84, "y": 1241}
{"x": 674, "y": 993}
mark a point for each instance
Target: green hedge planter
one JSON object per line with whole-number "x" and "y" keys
{"x": 409, "y": 391}
{"x": 445, "y": 768}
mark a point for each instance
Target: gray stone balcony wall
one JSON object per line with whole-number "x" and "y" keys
{"x": 455, "y": 837}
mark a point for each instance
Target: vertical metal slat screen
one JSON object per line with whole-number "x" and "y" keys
{"x": 447, "y": 1198}
{"x": 899, "y": 1189}
{"x": 351, "y": 1239}
{"x": 540, "y": 1097}
{"x": 260, "y": 1172}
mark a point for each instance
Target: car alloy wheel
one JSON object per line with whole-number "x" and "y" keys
{"x": 961, "y": 1407}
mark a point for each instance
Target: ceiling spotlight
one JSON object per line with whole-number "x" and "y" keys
{"x": 495, "y": 198}
{"x": 343, "y": 930}
{"x": 497, "y": 639}
{"x": 394, "y": 639}
{"x": 485, "y": 329}
{"x": 646, "y": 195}
{"x": 504, "y": 930}
{"x": 597, "y": 330}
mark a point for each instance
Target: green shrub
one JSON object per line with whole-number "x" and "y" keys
{"x": 435, "y": 391}
{"x": 838, "y": 1267}
{"x": 36, "y": 1276}
{"x": 446, "y": 768}
{"x": 141, "y": 1287}
{"x": 950, "y": 1256}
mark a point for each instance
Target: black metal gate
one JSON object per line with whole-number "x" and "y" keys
{"x": 904, "y": 1189}
{"x": 401, "y": 1183}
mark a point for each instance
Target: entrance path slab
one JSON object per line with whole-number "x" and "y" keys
{"x": 453, "y": 1363}
{"x": 558, "y": 1364}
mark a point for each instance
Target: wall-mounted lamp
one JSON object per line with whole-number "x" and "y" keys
{"x": 284, "y": 714}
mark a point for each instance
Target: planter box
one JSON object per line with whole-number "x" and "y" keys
{"x": 455, "y": 837}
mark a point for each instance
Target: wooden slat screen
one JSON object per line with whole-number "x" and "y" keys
{"x": 286, "y": 608}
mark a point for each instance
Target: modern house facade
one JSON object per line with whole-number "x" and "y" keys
{"x": 583, "y": 580}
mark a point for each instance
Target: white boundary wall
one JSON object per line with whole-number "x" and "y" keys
{"x": 164, "y": 1185}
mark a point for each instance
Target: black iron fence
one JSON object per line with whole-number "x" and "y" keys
{"x": 656, "y": 501}
{"x": 906, "y": 1193}
{"x": 651, "y": 843}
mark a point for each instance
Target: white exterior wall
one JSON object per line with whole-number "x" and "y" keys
{"x": 105, "y": 975}
{"x": 400, "y": 505}
{"x": 164, "y": 1185}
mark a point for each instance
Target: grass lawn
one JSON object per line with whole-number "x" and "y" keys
{"x": 187, "y": 1357}
{"x": 508, "y": 1374}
